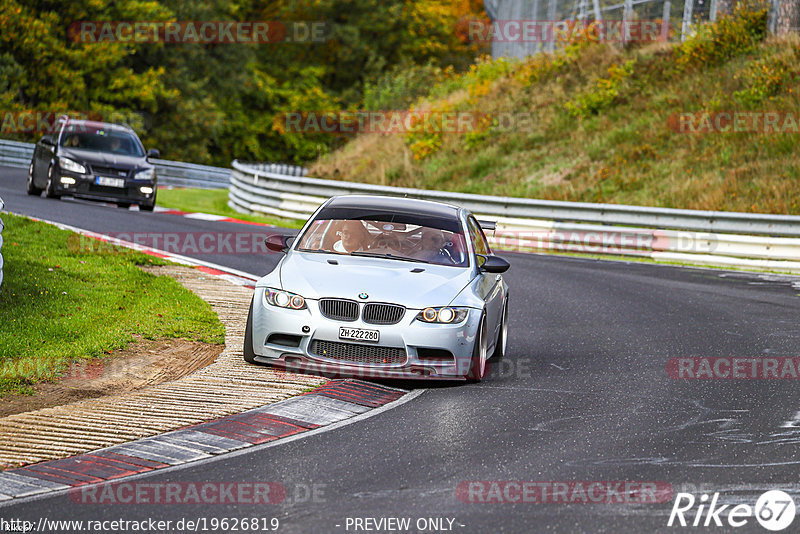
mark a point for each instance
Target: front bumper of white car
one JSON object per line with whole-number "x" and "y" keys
{"x": 308, "y": 341}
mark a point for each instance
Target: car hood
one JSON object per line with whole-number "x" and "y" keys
{"x": 311, "y": 276}
{"x": 104, "y": 159}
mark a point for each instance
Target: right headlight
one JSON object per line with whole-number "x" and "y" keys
{"x": 284, "y": 299}
{"x": 71, "y": 166}
{"x": 443, "y": 315}
{"x": 146, "y": 174}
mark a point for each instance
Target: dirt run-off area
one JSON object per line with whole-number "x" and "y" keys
{"x": 142, "y": 363}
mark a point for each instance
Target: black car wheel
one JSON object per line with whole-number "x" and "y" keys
{"x": 32, "y": 189}
{"x": 124, "y": 205}
{"x": 50, "y": 190}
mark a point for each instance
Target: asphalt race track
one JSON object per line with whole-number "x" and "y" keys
{"x": 583, "y": 395}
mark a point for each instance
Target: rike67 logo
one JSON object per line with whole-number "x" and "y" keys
{"x": 774, "y": 510}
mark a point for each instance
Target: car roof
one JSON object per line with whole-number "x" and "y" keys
{"x": 396, "y": 204}
{"x": 98, "y": 124}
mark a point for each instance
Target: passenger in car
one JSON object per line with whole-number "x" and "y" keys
{"x": 354, "y": 237}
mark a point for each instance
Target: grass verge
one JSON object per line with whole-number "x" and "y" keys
{"x": 215, "y": 202}
{"x": 60, "y": 303}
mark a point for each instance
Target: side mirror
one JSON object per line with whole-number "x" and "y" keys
{"x": 493, "y": 264}
{"x": 47, "y": 140}
{"x": 488, "y": 226}
{"x": 278, "y": 242}
{"x": 153, "y": 153}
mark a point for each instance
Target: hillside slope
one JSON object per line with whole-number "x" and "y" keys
{"x": 603, "y": 125}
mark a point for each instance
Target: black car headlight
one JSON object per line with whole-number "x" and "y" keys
{"x": 284, "y": 299}
{"x": 443, "y": 315}
{"x": 71, "y": 166}
{"x": 146, "y": 174}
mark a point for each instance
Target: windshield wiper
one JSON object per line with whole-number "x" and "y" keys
{"x": 387, "y": 256}
{"x": 315, "y": 251}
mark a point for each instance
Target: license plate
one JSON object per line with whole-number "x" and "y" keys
{"x": 359, "y": 334}
{"x": 111, "y": 182}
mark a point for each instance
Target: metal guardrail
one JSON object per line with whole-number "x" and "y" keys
{"x": 707, "y": 237}
{"x": 2, "y": 226}
{"x": 15, "y": 154}
{"x": 258, "y": 191}
{"x": 172, "y": 173}
{"x": 180, "y": 174}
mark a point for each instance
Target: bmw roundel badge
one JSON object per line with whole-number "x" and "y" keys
{"x": 363, "y": 296}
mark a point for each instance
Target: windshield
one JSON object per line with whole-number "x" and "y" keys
{"x": 397, "y": 240}
{"x": 101, "y": 140}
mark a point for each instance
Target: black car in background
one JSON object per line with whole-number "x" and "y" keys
{"x": 94, "y": 160}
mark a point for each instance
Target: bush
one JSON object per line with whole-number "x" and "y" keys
{"x": 402, "y": 86}
{"x": 765, "y": 77}
{"x": 730, "y": 36}
{"x": 604, "y": 92}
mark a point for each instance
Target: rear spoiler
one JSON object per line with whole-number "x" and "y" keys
{"x": 488, "y": 226}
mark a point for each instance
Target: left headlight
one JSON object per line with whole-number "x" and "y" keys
{"x": 71, "y": 166}
{"x": 146, "y": 174}
{"x": 284, "y": 299}
{"x": 444, "y": 315}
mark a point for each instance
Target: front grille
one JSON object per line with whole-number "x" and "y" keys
{"x": 339, "y": 309}
{"x": 106, "y": 190}
{"x": 383, "y": 313}
{"x": 109, "y": 171}
{"x": 365, "y": 354}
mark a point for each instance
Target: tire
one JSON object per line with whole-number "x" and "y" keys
{"x": 477, "y": 365}
{"x": 124, "y": 205}
{"x": 249, "y": 353}
{"x": 502, "y": 337}
{"x": 32, "y": 189}
{"x": 50, "y": 190}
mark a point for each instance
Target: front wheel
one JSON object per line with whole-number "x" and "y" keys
{"x": 249, "y": 353}
{"x": 477, "y": 367}
{"x": 124, "y": 205}
{"x": 50, "y": 190}
{"x": 32, "y": 189}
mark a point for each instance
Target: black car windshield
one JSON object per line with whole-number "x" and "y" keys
{"x": 395, "y": 239}
{"x": 101, "y": 140}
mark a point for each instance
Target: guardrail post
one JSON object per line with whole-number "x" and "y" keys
{"x": 686, "y": 27}
{"x": 551, "y": 21}
{"x": 627, "y": 16}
